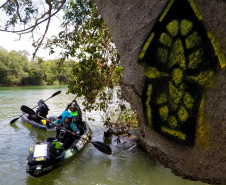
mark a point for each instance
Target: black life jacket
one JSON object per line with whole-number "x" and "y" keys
{"x": 42, "y": 108}
{"x": 62, "y": 127}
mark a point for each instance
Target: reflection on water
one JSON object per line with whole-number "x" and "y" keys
{"x": 127, "y": 165}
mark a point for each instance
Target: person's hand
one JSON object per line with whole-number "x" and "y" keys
{"x": 73, "y": 133}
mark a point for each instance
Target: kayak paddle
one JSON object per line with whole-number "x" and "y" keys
{"x": 54, "y": 94}
{"x": 98, "y": 145}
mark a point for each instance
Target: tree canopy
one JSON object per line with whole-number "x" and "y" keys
{"x": 16, "y": 69}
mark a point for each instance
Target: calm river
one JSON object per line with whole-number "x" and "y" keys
{"x": 130, "y": 166}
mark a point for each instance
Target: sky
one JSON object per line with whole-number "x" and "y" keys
{"x": 10, "y": 41}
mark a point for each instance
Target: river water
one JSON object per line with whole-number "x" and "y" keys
{"x": 126, "y": 166}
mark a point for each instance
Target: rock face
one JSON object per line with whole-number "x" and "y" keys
{"x": 173, "y": 53}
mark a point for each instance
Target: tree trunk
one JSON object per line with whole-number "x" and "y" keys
{"x": 173, "y": 54}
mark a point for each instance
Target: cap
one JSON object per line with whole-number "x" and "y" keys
{"x": 64, "y": 115}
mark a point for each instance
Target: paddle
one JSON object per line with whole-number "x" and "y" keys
{"x": 15, "y": 119}
{"x": 98, "y": 145}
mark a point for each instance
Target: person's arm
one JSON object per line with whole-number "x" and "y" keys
{"x": 56, "y": 122}
{"x": 74, "y": 128}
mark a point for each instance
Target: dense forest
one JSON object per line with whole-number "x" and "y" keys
{"x": 16, "y": 69}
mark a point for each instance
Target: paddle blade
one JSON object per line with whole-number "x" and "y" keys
{"x": 56, "y": 93}
{"x": 14, "y": 120}
{"x": 27, "y": 110}
{"x": 102, "y": 147}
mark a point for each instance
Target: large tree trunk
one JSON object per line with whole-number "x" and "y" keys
{"x": 173, "y": 54}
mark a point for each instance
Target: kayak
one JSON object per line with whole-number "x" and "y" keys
{"x": 47, "y": 156}
{"x": 41, "y": 125}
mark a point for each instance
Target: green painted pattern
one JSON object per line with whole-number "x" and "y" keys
{"x": 195, "y": 9}
{"x": 148, "y": 107}
{"x": 218, "y": 49}
{"x": 146, "y": 46}
{"x": 181, "y": 66}
{"x": 166, "y": 10}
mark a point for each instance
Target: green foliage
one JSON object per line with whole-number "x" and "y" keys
{"x": 15, "y": 69}
{"x": 97, "y": 68}
{"x": 19, "y": 12}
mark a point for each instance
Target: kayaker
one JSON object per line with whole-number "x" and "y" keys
{"x": 75, "y": 111}
{"x": 64, "y": 136}
{"x": 42, "y": 110}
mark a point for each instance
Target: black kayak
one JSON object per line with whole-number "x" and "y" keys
{"x": 45, "y": 157}
{"x": 41, "y": 125}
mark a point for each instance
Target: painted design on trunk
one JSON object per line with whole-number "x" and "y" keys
{"x": 180, "y": 66}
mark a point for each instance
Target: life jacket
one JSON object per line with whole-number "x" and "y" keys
{"x": 74, "y": 113}
{"x": 62, "y": 132}
{"x": 75, "y": 116}
{"x": 42, "y": 108}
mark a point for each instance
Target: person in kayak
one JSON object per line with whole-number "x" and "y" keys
{"x": 42, "y": 110}
{"x": 75, "y": 111}
{"x": 62, "y": 135}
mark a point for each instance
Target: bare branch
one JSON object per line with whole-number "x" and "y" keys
{"x": 4, "y": 4}
{"x": 47, "y": 27}
{"x": 31, "y": 28}
{"x": 17, "y": 11}
{"x": 48, "y": 14}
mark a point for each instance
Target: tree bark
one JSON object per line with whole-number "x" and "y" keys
{"x": 131, "y": 23}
